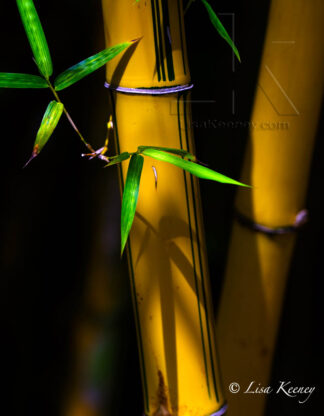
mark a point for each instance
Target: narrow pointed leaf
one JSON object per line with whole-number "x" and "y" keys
{"x": 130, "y": 196}
{"x": 11, "y": 80}
{"x": 51, "y": 118}
{"x": 89, "y": 65}
{"x": 197, "y": 170}
{"x": 36, "y": 36}
{"x": 120, "y": 158}
{"x": 179, "y": 152}
{"x": 220, "y": 28}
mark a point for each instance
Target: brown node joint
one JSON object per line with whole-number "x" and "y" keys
{"x": 162, "y": 397}
{"x": 300, "y": 219}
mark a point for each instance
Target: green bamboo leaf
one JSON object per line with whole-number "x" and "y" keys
{"x": 118, "y": 159}
{"x": 36, "y": 36}
{"x": 51, "y": 117}
{"x": 11, "y": 80}
{"x": 89, "y": 65}
{"x": 130, "y": 196}
{"x": 179, "y": 152}
{"x": 197, "y": 170}
{"x": 220, "y": 28}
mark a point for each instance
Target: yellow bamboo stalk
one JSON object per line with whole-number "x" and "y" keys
{"x": 277, "y": 163}
{"x": 168, "y": 268}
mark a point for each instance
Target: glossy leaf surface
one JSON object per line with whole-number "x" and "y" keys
{"x": 179, "y": 152}
{"x": 220, "y": 28}
{"x": 49, "y": 122}
{"x": 36, "y": 36}
{"x": 130, "y": 196}
{"x": 12, "y": 80}
{"x": 192, "y": 167}
{"x": 87, "y": 66}
{"x": 120, "y": 158}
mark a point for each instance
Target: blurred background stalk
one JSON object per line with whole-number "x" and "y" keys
{"x": 277, "y": 164}
{"x": 100, "y": 358}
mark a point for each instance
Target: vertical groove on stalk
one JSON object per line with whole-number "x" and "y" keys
{"x": 193, "y": 251}
{"x": 157, "y": 20}
{"x": 167, "y": 39}
{"x": 156, "y": 46}
{"x": 200, "y": 259}
{"x": 132, "y": 275}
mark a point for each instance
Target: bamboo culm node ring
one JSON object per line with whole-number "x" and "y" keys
{"x": 300, "y": 219}
{"x": 150, "y": 91}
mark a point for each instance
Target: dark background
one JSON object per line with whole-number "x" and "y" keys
{"x": 49, "y": 210}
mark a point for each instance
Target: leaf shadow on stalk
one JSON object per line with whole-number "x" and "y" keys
{"x": 122, "y": 64}
{"x": 167, "y": 302}
{"x": 179, "y": 228}
{"x": 169, "y": 328}
{"x": 169, "y": 252}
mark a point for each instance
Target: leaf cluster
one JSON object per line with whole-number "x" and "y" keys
{"x": 177, "y": 157}
{"x": 42, "y": 57}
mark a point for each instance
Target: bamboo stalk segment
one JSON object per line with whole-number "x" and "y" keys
{"x": 167, "y": 264}
{"x": 167, "y": 257}
{"x": 277, "y": 163}
{"x": 160, "y": 58}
